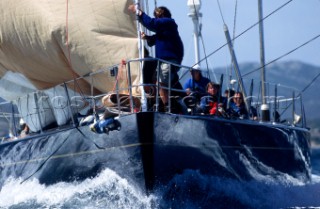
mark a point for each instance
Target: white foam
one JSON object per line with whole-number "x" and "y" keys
{"x": 188, "y": 190}
{"x": 106, "y": 189}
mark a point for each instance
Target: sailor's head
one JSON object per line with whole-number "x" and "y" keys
{"x": 22, "y": 124}
{"x": 196, "y": 73}
{"x": 161, "y": 12}
{"x": 212, "y": 88}
{"x": 238, "y": 98}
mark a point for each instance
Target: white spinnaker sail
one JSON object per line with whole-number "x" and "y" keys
{"x": 37, "y": 36}
{"x": 53, "y": 41}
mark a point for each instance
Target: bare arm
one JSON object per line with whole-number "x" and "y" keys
{"x": 133, "y": 9}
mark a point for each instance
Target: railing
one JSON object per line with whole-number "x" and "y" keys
{"x": 68, "y": 102}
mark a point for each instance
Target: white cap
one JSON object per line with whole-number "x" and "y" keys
{"x": 21, "y": 122}
{"x": 233, "y": 81}
{"x": 264, "y": 107}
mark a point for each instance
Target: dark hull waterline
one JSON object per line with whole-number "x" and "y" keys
{"x": 150, "y": 148}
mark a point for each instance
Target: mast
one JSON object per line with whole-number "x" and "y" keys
{"x": 139, "y": 28}
{"x": 265, "y": 113}
{"x": 194, "y": 8}
{"x": 139, "y": 5}
{"x": 235, "y": 65}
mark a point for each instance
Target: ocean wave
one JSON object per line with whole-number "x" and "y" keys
{"x": 188, "y": 190}
{"x": 107, "y": 189}
{"x": 193, "y": 190}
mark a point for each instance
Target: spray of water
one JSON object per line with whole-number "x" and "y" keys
{"x": 107, "y": 189}
{"x": 188, "y": 190}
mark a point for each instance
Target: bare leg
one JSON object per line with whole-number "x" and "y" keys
{"x": 164, "y": 95}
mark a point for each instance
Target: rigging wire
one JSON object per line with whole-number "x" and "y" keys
{"x": 204, "y": 52}
{"x": 235, "y": 21}
{"x": 311, "y": 82}
{"x": 218, "y": 2}
{"x": 234, "y": 27}
{"x": 284, "y": 55}
{"x": 201, "y": 38}
{"x": 308, "y": 85}
{"x": 245, "y": 31}
{"x": 203, "y": 46}
{"x": 233, "y": 40}
{"x": 272, "y": 61}
{"x": 234, "y": 30}
{"x": 300, "y": 93}
{"x": 67, "y": 35}
{"x": 45, "y": 160}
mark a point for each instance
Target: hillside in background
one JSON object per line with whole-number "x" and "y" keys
{"x": 314, "y": 124}
{"x": 300, "y": 75}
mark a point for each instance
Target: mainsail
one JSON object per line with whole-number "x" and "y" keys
{"x": 51, "y": 41}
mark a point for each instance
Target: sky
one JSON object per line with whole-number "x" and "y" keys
{"x": 290, "y": 27}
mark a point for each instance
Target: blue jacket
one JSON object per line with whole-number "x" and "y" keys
{"x": 240, "y": 111}
{"x": 199, "y": 86}
{"x": 167, "y": 41}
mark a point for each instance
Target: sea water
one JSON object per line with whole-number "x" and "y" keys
{"x": 188, "y": 190}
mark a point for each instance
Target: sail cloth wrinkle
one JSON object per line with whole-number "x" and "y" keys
{"x": 37, "y": 36}
{"x": 40, "y": 109}
{"x": 36, "y": 115}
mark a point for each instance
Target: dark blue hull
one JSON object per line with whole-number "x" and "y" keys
{"x": 150, "y": 148}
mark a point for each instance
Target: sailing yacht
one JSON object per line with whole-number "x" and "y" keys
{"x": 53, "y": 71}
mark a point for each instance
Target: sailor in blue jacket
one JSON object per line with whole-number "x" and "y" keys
{"x": 167, "y": 42}
{"x": 197, "y": 83}
{"x": 238, "y": 107}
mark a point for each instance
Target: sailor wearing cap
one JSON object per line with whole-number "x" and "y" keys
{"x": 197, "y": 83}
